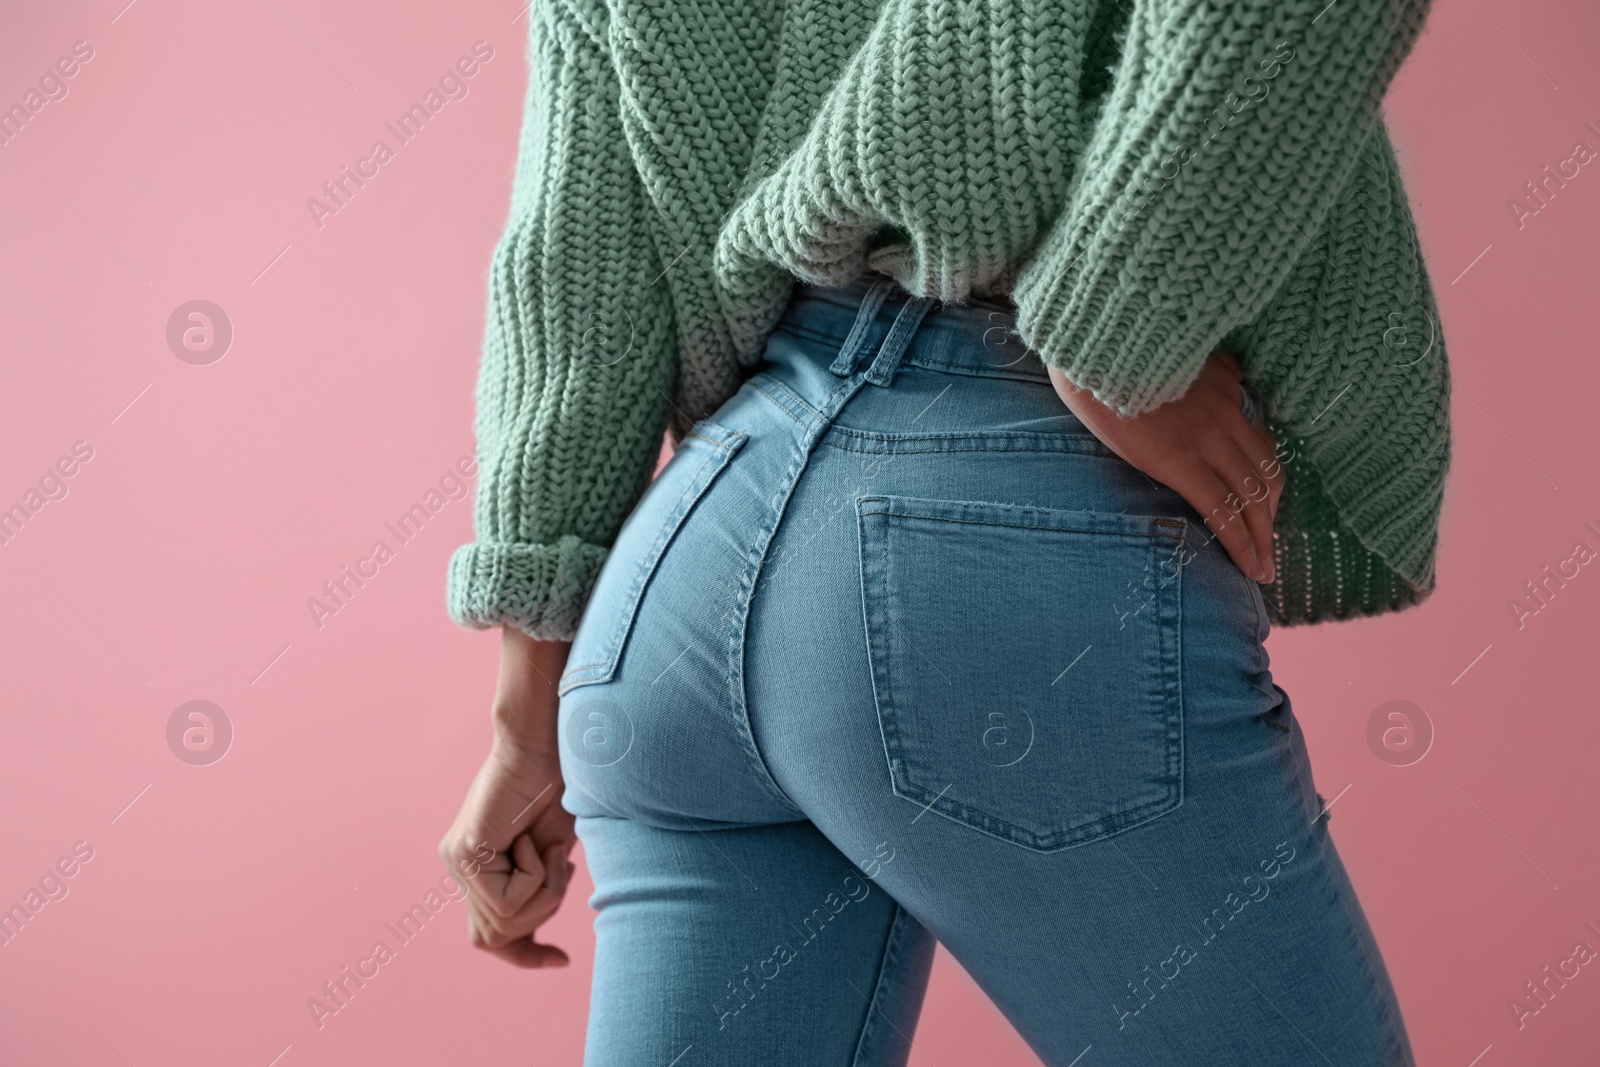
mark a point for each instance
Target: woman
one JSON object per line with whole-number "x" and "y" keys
{"x": 1024, "y": 361}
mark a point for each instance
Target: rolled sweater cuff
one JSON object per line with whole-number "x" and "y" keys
{"x": 539, "y": 588}
{"x": 1131, "y": 353}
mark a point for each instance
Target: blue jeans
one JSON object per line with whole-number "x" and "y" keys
{"x": 894, "y": 650}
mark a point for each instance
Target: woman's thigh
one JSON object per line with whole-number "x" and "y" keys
{"x": 1029, "y": 672}
{"x": 757, "y": 945}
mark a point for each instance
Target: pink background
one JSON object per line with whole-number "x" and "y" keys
{"x": 219, "y": 498}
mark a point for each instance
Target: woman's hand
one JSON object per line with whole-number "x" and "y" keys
{"x": 508, "y": 845}
{"x": 1202, "y": 447}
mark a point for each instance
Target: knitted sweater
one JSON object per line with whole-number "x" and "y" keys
{"x": 1145, "y": 179}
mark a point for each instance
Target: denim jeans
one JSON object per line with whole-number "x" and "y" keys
{"x": 895, "y": 650}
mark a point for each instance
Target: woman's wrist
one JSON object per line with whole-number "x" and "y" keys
{"x": 525, "y": 700}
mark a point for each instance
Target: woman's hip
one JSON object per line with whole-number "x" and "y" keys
{"x": 990, "y": 577}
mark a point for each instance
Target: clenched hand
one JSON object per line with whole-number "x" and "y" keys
{"x": 508, "y": 845}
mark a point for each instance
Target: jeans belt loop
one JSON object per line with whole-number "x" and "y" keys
{"x": 845, "y": 364}
{"x": 898, "y": 340}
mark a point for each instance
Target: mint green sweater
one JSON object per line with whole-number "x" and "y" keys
{"x": 1145, "y": 179}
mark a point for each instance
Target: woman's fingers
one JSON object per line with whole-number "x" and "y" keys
{"x": 505, "y": 883}
{"x": 557, "y": 872}
{"x": 525, "y": 854}
{"x": 526, "y": 952}
{"x": 1221, "y": 507}
{"x": 1261, "y": 475}
{"x": 1257, "y": 442}
{"x": 552, "y": 871}
{"x": 1255, "y": 514}
{"x": 522, "y": 951}
{"x": 492, "y": 931}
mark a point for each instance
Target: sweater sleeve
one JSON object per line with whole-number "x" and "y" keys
{"x": 1224, "y": 139}
{"x": 579, "y": 354}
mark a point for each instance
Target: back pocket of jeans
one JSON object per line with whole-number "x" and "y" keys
{"x": 1025, "y": 663}
{"x": 644, "y": 538}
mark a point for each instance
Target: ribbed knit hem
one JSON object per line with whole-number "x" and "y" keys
{"x": 1131, "y": 354}
{"x": 1328, "y": 575}
{"x": 1325, "y": 570}
{"x": 539, "y": 588}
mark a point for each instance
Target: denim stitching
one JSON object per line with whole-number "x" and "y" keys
{"x": 877, "y": 621}
{"x": 892, "y": 349}
{"x": 849, "y": 357}
{"x": 1021, "y": 371}
{"x": 1175, "y": 536}
{"x": 755, "y": 565}
{"x": 888, "y": 974}
{"x": 786, "y": 400}
{"x": 967, "y": 441}
{"x": 1015, "y": 372}
{"x": 721, "y": 454}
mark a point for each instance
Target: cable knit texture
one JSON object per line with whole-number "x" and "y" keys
{"x": 1145, "y": 179}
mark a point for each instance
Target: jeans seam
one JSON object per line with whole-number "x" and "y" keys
{"x": 853, "y": 440}
{"x": 870, "y": 1024}
{"x": 755, "y": 568}
{"x": 738, "y": 639}
{"x": 1027, "y": 526}
{"x": 1011, "y": 372}
{"x": 785, "y": 400}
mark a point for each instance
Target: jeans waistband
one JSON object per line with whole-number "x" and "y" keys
{"x": 878, "y": 325}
